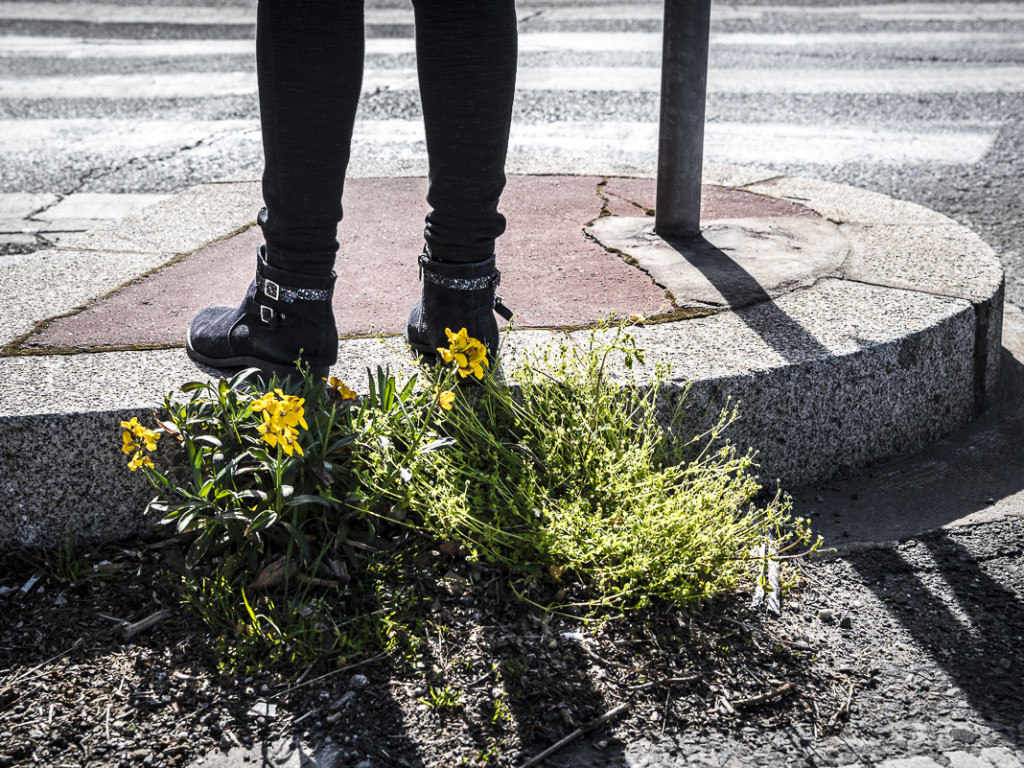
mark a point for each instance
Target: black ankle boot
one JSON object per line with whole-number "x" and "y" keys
{"x": 283, "y": 313}
{"x": 455, "y": 296}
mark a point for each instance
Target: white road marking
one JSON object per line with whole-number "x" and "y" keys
{"x": 591, "y": 79}
{"x": 105, "y": 137}
{"x": 724, "y": 142}
{"x": 229, "y": 15}
{"x": 539, "y": 42}
{"x": 946, "y": 12}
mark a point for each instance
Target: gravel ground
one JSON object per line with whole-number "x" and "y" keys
{"x": 881, "y": 653}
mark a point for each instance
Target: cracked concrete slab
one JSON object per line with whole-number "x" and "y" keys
{"x": 90, "y": 206}
{"x": 734, "y": 262}
{"x": 377, "y": 282}
{"x": 182, "y": 224}
{"x": 15, "y": 206}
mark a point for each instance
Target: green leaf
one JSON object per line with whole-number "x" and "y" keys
{"x": 297, "y": 538}
{"x": 343, "y": 442}
{"x": 199, "y": 547}
{"x": 264, "y": 519}
{"x": 309, "y": 498}
{"x": 437, "y": 445}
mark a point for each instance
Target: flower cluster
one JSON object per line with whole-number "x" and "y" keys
{"x": 469, "y": 354}
{"x": 282, "y": 416}
{"x": 134, "y": 438}
{"x": 337, "y": 390}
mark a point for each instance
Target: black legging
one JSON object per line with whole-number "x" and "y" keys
{"x": 309, "y": 57}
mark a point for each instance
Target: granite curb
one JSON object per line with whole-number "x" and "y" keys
{"x": 887, "y": 351}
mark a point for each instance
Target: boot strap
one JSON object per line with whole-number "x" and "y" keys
{"x": 457, "y": 283}
{"x": 288, "y": 295}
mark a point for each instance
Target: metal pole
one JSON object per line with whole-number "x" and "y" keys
{"x": 684, "y": 80}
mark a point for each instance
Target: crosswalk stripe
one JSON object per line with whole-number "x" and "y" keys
{"x": 965, "y": 142}
{"x": 588, "y": 79}
{"x": 232, "y": 15}
{"x": 99, "y": 13}
{"x": 103, "y": 136}
{"x": 591, "y": 42}
{"x": 933, "y": 11}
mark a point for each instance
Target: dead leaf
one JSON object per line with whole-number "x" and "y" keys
{"x": 274, "y": 574}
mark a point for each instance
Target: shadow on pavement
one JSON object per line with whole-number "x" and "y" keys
{"x": 956, "y": 610}
{"x": 740, "y": 290}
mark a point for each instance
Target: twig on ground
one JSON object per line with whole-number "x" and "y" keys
{"x": 844, "y": 708}
{"x": 779, "y": 692}
{"x": 609, "y": 715}
{"x": 599, "y": 660}
{"x": 41, "y": 664}
{"x": 147, "y": 623}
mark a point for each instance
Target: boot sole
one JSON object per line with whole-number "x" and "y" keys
{"x": 265, "y": 367}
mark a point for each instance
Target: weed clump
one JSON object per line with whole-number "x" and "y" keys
{"x": 305, "y": 503}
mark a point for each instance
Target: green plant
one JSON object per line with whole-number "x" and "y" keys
{"x": 298, "y": 495}
{"x": 65, "y": 564}
{"x": 516, "y": 667}
{"x": 570, "y": 471}
{"x": 442, "y": 699}
{"x": 500, "y": 714}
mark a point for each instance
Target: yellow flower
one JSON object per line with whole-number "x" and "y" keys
{"x": 337, "y": 389}
{"x": 130, "y": 446}
{"x": 444, "y": 399}
{"x": 282, "y": 416}
{"x": 149, "y": 437}
{"x": 468, "y": 354}
{"x": 140, "y": 461}
{"x": 134, "y": 433}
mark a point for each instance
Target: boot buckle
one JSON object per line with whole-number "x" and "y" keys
{"x": 272, "y": 290}
{"x": 267, "y": 313}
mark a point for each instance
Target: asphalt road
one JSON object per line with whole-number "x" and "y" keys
{"x": 923, "y": 102}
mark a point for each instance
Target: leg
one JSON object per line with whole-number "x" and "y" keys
{"x": 466, "y": 53}
{"x": 309, "y": 59}
{"x": 309, "y": 63}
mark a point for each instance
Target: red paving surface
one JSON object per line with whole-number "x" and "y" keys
{"x": 553, "y": 276}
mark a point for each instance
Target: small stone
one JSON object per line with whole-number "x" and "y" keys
{"x": 1005, "y": 663}
{"x": 846, "y": 623}
{"x": 825, "y": 615}
{"x": 343, "y": 701}
{"x": 262, "y": 710}
{"x": 963, "y": 735}
{"x": 359, "y": 681}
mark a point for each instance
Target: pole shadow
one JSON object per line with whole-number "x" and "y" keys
{"x": 751, "y": 302}
{"x": 981, "y": 650}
